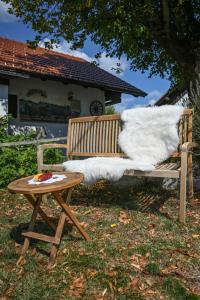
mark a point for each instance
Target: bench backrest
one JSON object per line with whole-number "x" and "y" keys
{"x": 98, "y": 135}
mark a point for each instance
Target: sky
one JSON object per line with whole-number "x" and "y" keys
{"x": 13, "y": 28}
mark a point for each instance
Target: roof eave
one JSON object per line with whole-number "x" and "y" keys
{"x": 27, "y": 74}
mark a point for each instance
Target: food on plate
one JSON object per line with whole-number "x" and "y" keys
{"x": 42, "y": 176}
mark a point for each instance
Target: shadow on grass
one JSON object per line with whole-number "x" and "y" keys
{"x": 145, "y": 197}
{"x": 40, "y": 227}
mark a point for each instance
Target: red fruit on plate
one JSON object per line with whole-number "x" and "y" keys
{"x": 45, "y": 177}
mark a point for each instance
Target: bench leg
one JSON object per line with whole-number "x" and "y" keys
{"x": 190, "y": 177}
{"x": 183, "y": 186}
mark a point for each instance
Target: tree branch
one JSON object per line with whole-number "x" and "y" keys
{"x": 166, "y": 17}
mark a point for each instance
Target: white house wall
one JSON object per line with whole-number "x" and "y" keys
{"x": 3, "y": 99}
{"x": 56, "y": 93}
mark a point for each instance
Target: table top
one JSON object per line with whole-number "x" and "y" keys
{"x": 23, "y": 187}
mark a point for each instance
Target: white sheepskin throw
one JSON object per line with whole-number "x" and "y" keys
{"x": 110, "y": 168}
{"x": 150, "y": 134}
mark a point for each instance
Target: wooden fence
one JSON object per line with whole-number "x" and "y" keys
{"x": 33, "y": 142}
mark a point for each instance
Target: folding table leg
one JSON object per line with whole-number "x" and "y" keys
{"x": 72, "y": 217}
{"x": 32, "y": 200}
{"x": 58, "y": 235}
{"x": 31, "y": 224}
{"x": 67, "y": 196}
{"x": 59, "y": 231}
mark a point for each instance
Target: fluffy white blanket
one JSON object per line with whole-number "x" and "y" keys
{"x": 149, "y": 136}
{"x": 110, "y": 168}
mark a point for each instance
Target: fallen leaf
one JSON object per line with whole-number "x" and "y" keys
{"x": 84, "y": 224}
{"x": 195, "y": 236}
{"x": 112, "y": 273}
{"x": 21, "y": 261}
{"x": 134, "y": 282}
{"x": 138, "y": 261}
{"x": 76, "y": 289}
{"x": 104, "y": 292}
{"x": 123, "y": 218}
{"x": 136, "y": 266}
{"x": 91, "y": 273}
{"x": 168, "y": 270}
{"x": 66, "y": 250}
{"x": 150, "y": 281}
{"x": 77, "y": 283}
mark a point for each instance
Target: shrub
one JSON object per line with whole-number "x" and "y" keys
{"x": 110, "y": 110}
{"x": 19, "y": 161}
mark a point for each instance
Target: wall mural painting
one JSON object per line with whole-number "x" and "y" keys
{"x": 45, "y": 112}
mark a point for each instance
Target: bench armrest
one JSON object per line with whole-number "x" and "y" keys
{"x": 187, "y": 146}
{"x": 40, "y": 157}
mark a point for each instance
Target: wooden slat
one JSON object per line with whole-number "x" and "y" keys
{"x": 169, "y": 166}
{"x": 185, "y": 129}
{"x": 57, "y": 167}
{"x": 70, "y": 137}
{"x": 120, "y": 154}
{"x": 93, "y": 138}
{"x": 119, "y": 129}
{"x": 96, "y": 118}
{"x": 155, "y": 173}
{"x": 190, "y": 128}
{"x": 181, "y": 131}
{"x": 100, "y": 136}
{"x": 103, "y": 137}
{"x": 85, "y": 126}
{"x": 69, "y": 129}
{"x": 78, "y": 137}
{"x": 82, "y": 137}
{"x": 41, "y": 237}
{"x": 106, "y": 137}
{"x": 88, "y": 136}
{"x": 113, "y": 137}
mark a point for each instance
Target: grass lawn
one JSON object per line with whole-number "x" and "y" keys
{"x": 138, "y": 249}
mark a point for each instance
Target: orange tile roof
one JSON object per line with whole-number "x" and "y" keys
{"x": 40, "y": 62}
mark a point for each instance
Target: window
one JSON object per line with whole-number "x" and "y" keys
{"x": 12, "y": 105}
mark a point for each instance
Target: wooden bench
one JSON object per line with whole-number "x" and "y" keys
{"x": 98, "y": 135}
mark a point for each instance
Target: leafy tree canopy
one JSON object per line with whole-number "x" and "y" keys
{"x": 161, "y": 36}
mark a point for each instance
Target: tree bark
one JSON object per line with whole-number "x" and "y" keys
{"x": 194, "y": 86}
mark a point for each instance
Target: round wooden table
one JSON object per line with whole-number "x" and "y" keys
{"x": 34, "y": 195}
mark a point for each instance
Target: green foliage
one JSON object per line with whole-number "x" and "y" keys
{"x": 159, "y": 36}
{"x": 176, "y": 290}
{"x": 153, "y": 269}
{"x": 110, "y": 110}
{"x": 19, "y": 161}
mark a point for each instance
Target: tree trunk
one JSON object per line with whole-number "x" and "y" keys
{"x": 194, "y": 86}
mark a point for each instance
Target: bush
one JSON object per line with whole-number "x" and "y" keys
{"x": 110, "y": 110}
{"x": 19, "y": 161}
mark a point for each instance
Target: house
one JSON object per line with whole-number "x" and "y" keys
{"x": 174, "y": 95}
{"x": 44, "y": 88}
